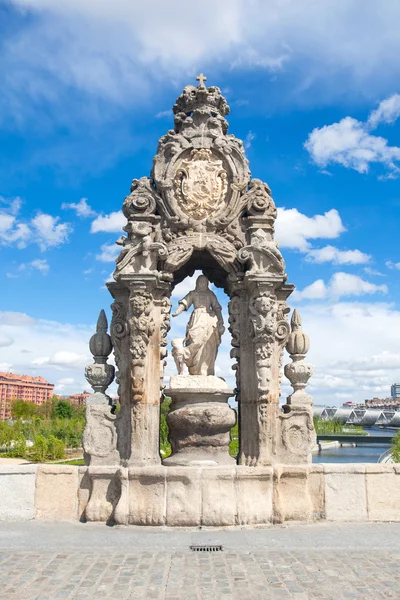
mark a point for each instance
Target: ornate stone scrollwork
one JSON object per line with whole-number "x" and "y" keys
{"x": 259, "y": 200}
{"x": 141, "y": 327}
{"x": 141, "y": 200}
{"x": 263, "y": 309}
{"x": 262, "y": 254}
{"x": 140, "y": 250}
{"x": 234, "y": 328}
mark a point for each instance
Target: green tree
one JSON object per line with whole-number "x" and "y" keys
{"x": 39, "y": 448}
{"x": 23, "y": 410}
{"x": 55, "y": 448}
{"x": 63, "y": 410}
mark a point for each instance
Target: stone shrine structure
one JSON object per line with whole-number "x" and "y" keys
{"x": 199, "y": 209}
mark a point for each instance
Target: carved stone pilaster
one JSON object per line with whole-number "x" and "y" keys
{"x": 141, "y": 327}
{"x": 234, "y": 328}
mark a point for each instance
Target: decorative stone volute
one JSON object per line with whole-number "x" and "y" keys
{"x": 100, "y": 343}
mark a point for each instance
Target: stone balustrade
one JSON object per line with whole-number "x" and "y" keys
{"x": 190, "y": 497}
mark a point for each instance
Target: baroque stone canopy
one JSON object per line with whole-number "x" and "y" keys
{"x": 200, "y": 209}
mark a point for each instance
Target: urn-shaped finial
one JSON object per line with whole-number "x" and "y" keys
{"x": 100, "y": 343}
{"x": 298, "y": 341}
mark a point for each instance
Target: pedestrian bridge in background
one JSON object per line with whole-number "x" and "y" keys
{"x": 365, "y": 417}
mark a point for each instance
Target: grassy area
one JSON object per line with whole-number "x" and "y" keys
{"x": 75, "y": 461}
{"x": 335, "y": 427}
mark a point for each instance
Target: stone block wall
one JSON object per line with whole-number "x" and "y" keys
{"x": 212, "y": 497}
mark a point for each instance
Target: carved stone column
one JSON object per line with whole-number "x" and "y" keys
{"x": 297, "y": 435}
{"x": 100, "y": 435}
{"x": 257, "y": 315}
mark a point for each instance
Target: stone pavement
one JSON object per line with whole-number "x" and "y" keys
{"x": 48, "y": 561}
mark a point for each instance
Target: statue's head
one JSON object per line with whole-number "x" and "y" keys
{"x": 201, "y": 283}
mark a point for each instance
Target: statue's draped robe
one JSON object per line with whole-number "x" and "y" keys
{"x": 202, "y": 335}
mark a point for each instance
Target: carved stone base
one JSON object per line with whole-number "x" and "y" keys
{"x": 100, "y": 435}
{"x": 297, "y": 436}
{"x": 199, "y": 421}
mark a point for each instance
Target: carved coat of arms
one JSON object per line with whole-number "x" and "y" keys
{"x": 200, "y": 184}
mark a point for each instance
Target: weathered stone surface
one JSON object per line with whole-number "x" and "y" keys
{"x": 17, "y": 492}
{"x": 183, "y": 500}
{"x": 316, "y": 488}
{"x": 84, "y": 489}
{"x": 147, "y": 495}
{"x": 292, "y": 500}
{"x": 345, "y": 492}
{"x": 254, "y": 492}
{"x": 104, "y": 494}
{"x": 199, "y": 421}
{"x": 100, "y": 435}
{"x": 56, "y": 495}
{"x": 218, "y": 497}
{"x": 383, "y": 492}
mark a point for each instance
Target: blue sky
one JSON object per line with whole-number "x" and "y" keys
{"x": 87, "y": 90}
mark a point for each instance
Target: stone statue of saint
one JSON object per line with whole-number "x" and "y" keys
{"x": 204, "y": 330}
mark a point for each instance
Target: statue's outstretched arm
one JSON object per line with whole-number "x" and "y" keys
{"x": 183, "y": 304}
{"x": 180, "y": 309}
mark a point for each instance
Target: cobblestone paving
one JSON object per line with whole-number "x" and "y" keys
{"x": 245, "y": 575}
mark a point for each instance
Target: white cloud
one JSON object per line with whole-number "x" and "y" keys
{"x": 392, "y": 265}
{"x": 44, "y": 230}
{"x": 388, "y": 111}
{"x": 340, "y": 284}
{"x": 109, "y": 253}
{"x": 41, "y": 265}
{"x": 62, "y": 358}
{"x": 350, "y": 143}
{"x": 294, "y": 229}
{"x": 337, "y": 257}
{"x": 81, "y": 208}
{"x": 354, "y": 349}
{"x": 99, "y": 49}
{"x": 38, "y": 264}
{"x": 374, "y": 272}
{"x": 51, "y": 349}
{"x": 16, "y": 319}
{"x": 49, "y": 232}
{"x": 249, "y": 139}
{"x": 12, "y": 232}
{"x": 112, "y": 223}
{"x": 5, "y": 340}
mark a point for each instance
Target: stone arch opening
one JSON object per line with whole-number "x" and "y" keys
{"x": 207, "y": 435}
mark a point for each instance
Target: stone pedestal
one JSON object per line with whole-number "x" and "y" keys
{"x": 199, "y": 421}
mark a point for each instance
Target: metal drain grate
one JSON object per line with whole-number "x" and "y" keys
{"x": 206, "y": 548}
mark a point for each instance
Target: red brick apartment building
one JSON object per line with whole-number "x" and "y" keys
{"x": 22, "y": 387}
{"x": 79, "y": 399}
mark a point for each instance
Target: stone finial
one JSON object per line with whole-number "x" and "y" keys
{"x": 298, "y": 342}
{"x": 100, "y": 343}
{"x": 298, "y": 372}
{"x": 100, "y": 374}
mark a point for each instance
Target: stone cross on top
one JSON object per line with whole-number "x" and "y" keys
{"x": 201, "y": 78}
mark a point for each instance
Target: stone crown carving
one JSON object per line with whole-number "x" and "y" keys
{"x": 201, "y": 98}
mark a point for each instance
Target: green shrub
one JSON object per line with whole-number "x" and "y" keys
{"x": 396, "y": 447}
